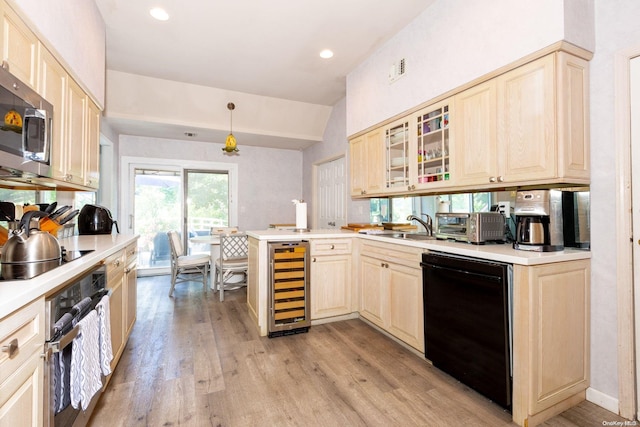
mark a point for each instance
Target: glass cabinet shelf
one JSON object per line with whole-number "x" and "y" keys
{"x": 396, "y": 155}
{"x": 433, "y": 145}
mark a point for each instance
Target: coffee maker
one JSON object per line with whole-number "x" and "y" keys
{"x": 539, "y": 221}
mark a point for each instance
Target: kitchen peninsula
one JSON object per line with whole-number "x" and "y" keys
{"x": 378, "y": 278}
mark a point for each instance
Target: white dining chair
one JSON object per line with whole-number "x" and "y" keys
{"x": 233, "y": 260}
{"x": 186, "y": 268}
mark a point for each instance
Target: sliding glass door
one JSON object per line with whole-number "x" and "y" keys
{"x": 157, "y": 209}
{"x": 206, "y": 204}
{"x": 191, "y": 201}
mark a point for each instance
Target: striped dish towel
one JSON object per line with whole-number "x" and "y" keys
{"x": 85, "y": 362}
{"x": 106, "y": 351}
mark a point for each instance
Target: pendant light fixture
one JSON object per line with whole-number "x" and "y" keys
{"x": 230, "y": 145}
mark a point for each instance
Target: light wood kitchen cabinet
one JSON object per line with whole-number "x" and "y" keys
{"x": 115, "y": 265}
{"x": 527, "y": 126}
{"x": 22, "y": 366}
{"x": 19, "y": 47}
{"x": 390, "y": 282}
{"x": 52, "y": 85}
{"x": 256, "y": 264}
{"x": 91, "y": 146}
{"x": 550, "y": 339}
{"x": 366, "y": 161}
{"x": 430, "y": 154}
{"x": 75, "y": 144}
{"x": 476, "y": 154}
{"x": 130, "y": 283}
{"x": 76, "y": 131}
{"x": 397, "y": 149}
{"x": 330, "y": 286}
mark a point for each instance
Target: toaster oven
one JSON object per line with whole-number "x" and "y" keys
{"x": 474, "y": 227}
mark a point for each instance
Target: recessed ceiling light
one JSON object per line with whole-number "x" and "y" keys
{"x": 326, "y": 54}
{"x": 159, "y": 13}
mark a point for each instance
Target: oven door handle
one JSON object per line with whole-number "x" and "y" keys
{"x": 64, "y": 341}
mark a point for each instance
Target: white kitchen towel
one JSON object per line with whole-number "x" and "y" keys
{"x": 301, "y": 216}
{"x": 106, "y": 351}
{"x": 85, "y": 362}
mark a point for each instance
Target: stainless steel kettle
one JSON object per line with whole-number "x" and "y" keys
{"x": 29, "y": 251}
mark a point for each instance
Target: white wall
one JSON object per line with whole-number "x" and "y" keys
{"x": 616, "y": 29}
{"x": 77, "y": 31}
{"x": 268, "y": 178}
{"x": 334, "y": 143}
{"x": 454, "y": 42}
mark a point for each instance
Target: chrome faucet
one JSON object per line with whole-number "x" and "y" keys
{"x": 428, "y": 225}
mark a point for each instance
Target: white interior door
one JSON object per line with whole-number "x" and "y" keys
{"x": 332, "y": 194}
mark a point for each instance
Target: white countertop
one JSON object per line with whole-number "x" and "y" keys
{"x": 15, "y": 294}
{"x": 489, "y": 251}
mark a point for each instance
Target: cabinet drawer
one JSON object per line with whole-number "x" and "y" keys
{"x": 115, "y": 264}
{"x": 131, "y": 253}
{"x": 392, "y": 253}
{"x": 25, "y": 329}
{"x": 330, "y": 246}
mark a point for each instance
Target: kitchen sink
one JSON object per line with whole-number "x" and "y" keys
{"x": 412, "y": 236}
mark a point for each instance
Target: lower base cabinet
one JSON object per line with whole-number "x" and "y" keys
{"x": 22, "y": 366}
{"x": 331, "y": 290}
{"x": 130, "y": 287}
{"x": 550, "y": 339}
{"x": 390, "y": 282}
{"x": 21, "y": 396}
{"x": 121, "y": 281}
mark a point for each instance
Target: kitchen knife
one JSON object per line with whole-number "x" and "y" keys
{"x": 51, "y": 208}
{"x": 68, "y": 216}
{"x": 59, "y": 212}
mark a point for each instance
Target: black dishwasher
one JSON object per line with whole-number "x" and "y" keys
{"x": 467, "y": 322}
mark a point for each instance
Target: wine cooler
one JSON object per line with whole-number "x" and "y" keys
{"x": 289, "y": 288}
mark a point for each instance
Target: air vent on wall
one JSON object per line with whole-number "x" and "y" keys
{"x": 397, "y": 70}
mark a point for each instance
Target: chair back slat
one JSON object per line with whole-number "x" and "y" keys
{"x": 234, "y": 245}
{"x": 175, "y": 243}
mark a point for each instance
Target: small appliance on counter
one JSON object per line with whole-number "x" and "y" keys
{"x": 539, "y": 221}
{"x": 474, "y": 227}
{"x": 576, "y": 222}
{"x": 95, "y": 219}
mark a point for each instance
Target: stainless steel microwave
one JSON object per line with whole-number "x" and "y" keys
{"x": 25, "y": 128}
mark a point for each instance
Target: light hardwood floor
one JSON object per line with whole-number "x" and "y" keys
{"x": 194, "y": 361}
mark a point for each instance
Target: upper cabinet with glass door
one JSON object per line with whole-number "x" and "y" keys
{"x": 431, "y": 154}
{"x": 397, "y": 148}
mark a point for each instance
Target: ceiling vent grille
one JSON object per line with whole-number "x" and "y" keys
{"x": 397, "y": 70}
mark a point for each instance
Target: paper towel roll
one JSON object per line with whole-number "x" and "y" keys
{"x": 301, "y": 216}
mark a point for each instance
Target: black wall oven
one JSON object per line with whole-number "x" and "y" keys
{"x": 467, "y": 321}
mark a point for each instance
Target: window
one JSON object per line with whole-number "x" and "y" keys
{"x": 18, "y": 197}
{"x": 397, "y": 209}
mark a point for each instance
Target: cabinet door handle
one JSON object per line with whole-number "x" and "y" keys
{"x": 492, "y": 179}
{"x": 500, "y": 179}
{"x": 333, "y": 246}
{"x": 313, "y": 259}
{"x": 12, "y": 348}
